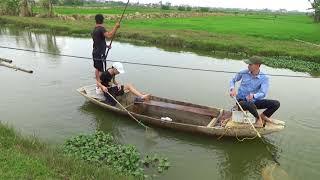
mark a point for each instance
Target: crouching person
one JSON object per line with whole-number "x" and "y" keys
{"x": 253, "y": 89}
{"x": 109, "y": 85}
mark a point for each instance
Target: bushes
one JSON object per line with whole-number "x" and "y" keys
{"x": 184, "y": 8}
{"x": 204, "y": 9}
{"x": 165, "y": 7}
{"x": 9, "y": 7}
{"x": 181, "y": 8}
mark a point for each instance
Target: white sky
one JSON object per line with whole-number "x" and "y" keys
{"x": 300, "y": 5}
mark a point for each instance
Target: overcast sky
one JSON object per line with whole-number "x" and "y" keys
{"x": 300, "y": 5}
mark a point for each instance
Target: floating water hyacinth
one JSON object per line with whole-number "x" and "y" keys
{"x": 102, "y": 149}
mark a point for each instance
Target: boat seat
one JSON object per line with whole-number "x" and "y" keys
{"x": 196, "y": 110}
{"x": 91, "y": 92}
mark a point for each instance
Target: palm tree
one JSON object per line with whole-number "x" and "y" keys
{"x": 316, "y": 7}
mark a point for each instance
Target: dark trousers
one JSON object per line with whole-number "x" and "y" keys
{"x": 271, "y": 106}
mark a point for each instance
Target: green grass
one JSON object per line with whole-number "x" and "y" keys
{"x": 244, "y": 35}
{"x": 18, "y": 165}
{"x": 285, "y": 27}
{"x": 27, "y": 158}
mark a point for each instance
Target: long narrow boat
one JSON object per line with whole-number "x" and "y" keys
{"x": 181, "y": 116}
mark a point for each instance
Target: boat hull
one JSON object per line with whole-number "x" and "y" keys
{"x": 184, "y": 116}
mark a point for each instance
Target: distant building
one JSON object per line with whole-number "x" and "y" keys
{"x": 282, "y": 11}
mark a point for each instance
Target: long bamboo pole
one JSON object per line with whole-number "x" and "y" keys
{"x": 127, "y": 111}
{"x": 6, "y": 60}
{"x": 109, "y": 46}
{"x": 15, "y": 67}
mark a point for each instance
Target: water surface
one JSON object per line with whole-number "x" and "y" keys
{"x": 47, "y": 105}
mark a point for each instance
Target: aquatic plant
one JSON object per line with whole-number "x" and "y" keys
{"x": 289, "y": 62}
{"x": 101, "y": 148}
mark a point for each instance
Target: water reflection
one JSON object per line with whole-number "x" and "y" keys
{"x": 104, "y": 120}
{"x": 32, "y": 40}
{"x": 245, "y": 160}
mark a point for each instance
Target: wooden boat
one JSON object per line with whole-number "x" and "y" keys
{"x": 181, "y": 116}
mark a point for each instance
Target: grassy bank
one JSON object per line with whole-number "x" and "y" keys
{"x": 242, "y": 35}
{"x": 27, "y": 158}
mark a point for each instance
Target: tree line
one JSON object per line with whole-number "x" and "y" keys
{"x": 24, "y": 7}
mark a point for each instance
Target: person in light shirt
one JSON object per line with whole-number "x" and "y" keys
{"x": 253, "y": 89}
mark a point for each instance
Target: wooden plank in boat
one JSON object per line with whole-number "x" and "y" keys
{"x": 195, "y": 110}
{"x": 214, "y": 120}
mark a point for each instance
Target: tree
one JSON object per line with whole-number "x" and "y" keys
{"x": 181, "y": 8}
{"x": 9, "y": 7}
{"x": 165, "y": 7}
{"x": 74, "y": 2}
{"x": 204, "y": 9}
{"x": 56, "y": 2}
{"x": 25, "y": 8}
{"x": 316, "y": 7}
{"x": 47, "y": 5}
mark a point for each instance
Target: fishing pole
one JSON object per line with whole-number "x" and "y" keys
{"x": 109, "y": 47}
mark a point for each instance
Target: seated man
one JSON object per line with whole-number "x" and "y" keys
{"x": 252, "y": 91}
{"x": 107, "y": 80}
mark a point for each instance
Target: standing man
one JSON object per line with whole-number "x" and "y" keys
{"x": 253, "y": 89}
{"x": 99, "y": 35}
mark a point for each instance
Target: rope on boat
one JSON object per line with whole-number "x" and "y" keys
{"x": 152, "y": 65}
{"x": 274, "y": 158}
{"x": 245, "y": 138}
{"x": 235, "y": 132}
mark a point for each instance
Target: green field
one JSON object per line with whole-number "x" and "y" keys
{"x": 243, "y": 35}
{"x": 283, "y": 27}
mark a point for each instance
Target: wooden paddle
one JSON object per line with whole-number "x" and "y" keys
{"x": 246, "y": 116}
{"x": 146, "y": 127}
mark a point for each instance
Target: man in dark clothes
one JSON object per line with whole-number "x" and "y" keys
{"x": 99, "y": 35}
{"x": 108, "y": 83}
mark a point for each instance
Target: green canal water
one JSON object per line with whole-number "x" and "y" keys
{"x": 47, "y": 105}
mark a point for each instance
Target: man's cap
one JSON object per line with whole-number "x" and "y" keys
{"x": 118, "y": 66}
{"x": 254, "y": 60}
